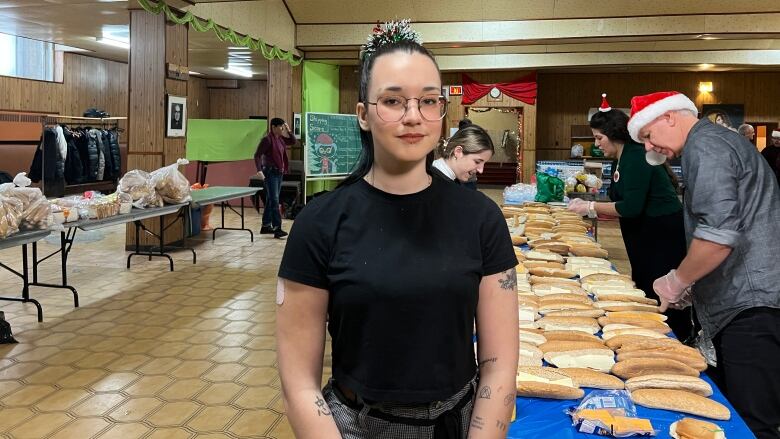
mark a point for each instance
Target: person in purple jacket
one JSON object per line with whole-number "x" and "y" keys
{"x": 271, "y": 159}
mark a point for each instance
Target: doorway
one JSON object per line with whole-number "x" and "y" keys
{"x": 763, "y": 133}
{"x": 504, "y": 125}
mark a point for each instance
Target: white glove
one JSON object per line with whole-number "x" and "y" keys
{"x": 671, "y": 289}
{"x": 578, "y": 206}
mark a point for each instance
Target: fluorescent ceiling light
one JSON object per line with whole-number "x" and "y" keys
{"x": 64, "y": 48}
{"x": 115, "y": 43}
{"x": 246, "y": 73}
{"x": 191, "y": 72}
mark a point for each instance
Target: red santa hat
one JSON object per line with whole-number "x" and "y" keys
{"x": 604, "y": 104}
{"x": 645, "y": 109}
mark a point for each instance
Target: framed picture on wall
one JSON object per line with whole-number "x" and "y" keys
{"x": 297, "y": 125}
{"x": 176, "y": 117}
{"x": 730, "y": 116}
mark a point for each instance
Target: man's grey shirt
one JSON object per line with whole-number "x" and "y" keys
{"x": 732, "y": 198}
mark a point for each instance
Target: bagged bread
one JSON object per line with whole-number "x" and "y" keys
{"x": 138, "y": 185}
{"x": 171, "y": 184}
{"x": 10, "y": 215}
{"x": 36, "y": 210}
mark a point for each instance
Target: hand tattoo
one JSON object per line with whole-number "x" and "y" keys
{"x": 510, "y": 281}
{"x": 322, "y": 407}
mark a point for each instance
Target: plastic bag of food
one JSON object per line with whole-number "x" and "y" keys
{"x": 548, "y": 188}
{"x": 10, "y": 214}
{"x": 36, "y": 209}
{"x": 609, "y": 413}
{"x": 139, "y": 186}
{"x": 171, "y": 184}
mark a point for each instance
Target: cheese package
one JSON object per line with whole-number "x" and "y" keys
{"x": 609, "y": 413}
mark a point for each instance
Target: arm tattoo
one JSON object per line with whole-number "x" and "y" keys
{"x": 322, "y": 407}
{"x": 510, "y": 281}
{"x": 477, "y": 423}
{"x": 484, "y": 393}
{"x": 501, "y": 425}
{"x": 509, "y": 399}
{"x": 489, "y": 360}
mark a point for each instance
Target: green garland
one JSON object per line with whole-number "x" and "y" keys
{"x": 224, "y": 34}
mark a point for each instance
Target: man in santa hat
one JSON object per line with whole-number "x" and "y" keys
{"x": 732, "y": 223}
{"x": 772, "y": 153}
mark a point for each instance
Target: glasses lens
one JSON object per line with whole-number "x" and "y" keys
{"x": 391, "y": 108}
{"x": 433, "y": 107}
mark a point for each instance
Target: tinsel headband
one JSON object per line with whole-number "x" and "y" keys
{"x": 388, "y": 33}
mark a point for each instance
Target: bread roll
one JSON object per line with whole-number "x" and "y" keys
{"x": 592, "y": 313}
{"x": 628, "y": 298}
{"x": 637, "y": 315}
{"x": 573, "y": 238}
{"x": 584, "y": 324}
{"x": 540, "y": 223}
{"x": 588, "y": 250}
{"x": 536, "y": 255}
{"x": 553, "y": 280}
{"x": 546, "y": 289}
{"x": 625, "y": 306}
{"x": 593, "y": 379}
{"x": 653, "y": 325}
{"x": 661, "y": 343}
{"x": 543, "y": 264}
{"x": 581, "y": 298}
{"x": 565, "y": 305}
{"x": 529, "y": 355}
{"x": 694, "y": 361}
{"x": 650, "y": 366}
{"x": 531, "y": 338}
{"x": 601, "y": 360}
{"x": 555, "y": 247}
{"x": 566, "y": 345}
{"x": 519, "y": 240}
{"x": 690, "y": 428}
{"x": 552, "y": 272}
{"x": 572, "y": 336}
{"x": 618, "y": 341}
{"x": 615, "y": 327}
{"x": 601, "y": 277}
{"x": 546, "y": 382}
{"x": 675, "y": 382}
{"x": 571, "y": 228}
{"x": 681, "y": 401}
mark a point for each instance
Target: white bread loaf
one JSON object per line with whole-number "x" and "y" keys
{"x": 676, "y": 382}
{"x": 681, "y": 401}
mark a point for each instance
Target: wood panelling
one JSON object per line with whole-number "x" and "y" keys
{"x": 296, "y": 152}
{"x": 222, "y": 83}
{"x": 87, "y": 83}
{"x": 280, "y": 90}
{"x": 197, "y": 99}
{"x": 176, "y": 53}
{"x": 349, "y": 87}
{"x": 250, "y": 99}
{"x": 564, "y": 99}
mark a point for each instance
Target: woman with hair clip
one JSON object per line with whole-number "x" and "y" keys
{"x": 644, "y": 197}
{"x": 463, "y": 156}
{"x": 399, "y": 265}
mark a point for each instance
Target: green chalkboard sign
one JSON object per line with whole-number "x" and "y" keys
{"x": 332, "y": 144}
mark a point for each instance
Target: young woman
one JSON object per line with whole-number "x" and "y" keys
{"x": 645, "y": 199}
{"x": 399, "y": 265}
{"x": 271, "y": 159}
{"x": 464, "y": 155}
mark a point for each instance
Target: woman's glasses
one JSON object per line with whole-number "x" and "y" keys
{"x": 393, "y": 108}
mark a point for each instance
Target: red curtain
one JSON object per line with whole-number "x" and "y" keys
{"x": 522, "y": 89}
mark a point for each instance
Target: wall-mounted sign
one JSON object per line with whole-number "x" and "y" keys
{"x": 456, "y": 90}
{"x": 173, "y": 71}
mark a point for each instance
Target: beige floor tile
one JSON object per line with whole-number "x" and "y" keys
{"x": 40, "y": 425}
{"x": 27, "y": 395}
{"x": 148, "y": 385}
{"x": 191, "y": 369}
{"x": 126, "y": 431}
{"x": 212, "y": 418}
{"x": 224, "y": 372}
{"x": 170, "y": 433}
{"x": 260, "y": 358}
{"x": 98, "y": 405}
{"x": 135, "y": 409}
{"x": 115, "y": 381}
{"x": 49, "y": 375}
{"x": 82, "y": 428}
{"x": 173, "y": 414}
{"x": 183, "y": 389}
{"x": 67, "y": 356}
{"x": 258, "y": 376}
{"x": 282, "y": 430}
{"x": 14, "y": 416}
{"x": 219, "y": 393}
{"x": 159, "y": 366}
{"x": 229, "y": 355}
{"x": 128, "y": 362}
{"x": 256, "y": 397}
{"x": 82, "y": 378}
{"x": 62, "y": 400}
{"x": 254, "y": 423}
{"x": 7, "y": 387}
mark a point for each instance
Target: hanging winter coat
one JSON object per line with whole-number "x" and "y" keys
{"x": 94, "y": 156}
{"x": 101, "y": 161}
{"x": 74, "y": 169}
{"x": 116, "y": 156}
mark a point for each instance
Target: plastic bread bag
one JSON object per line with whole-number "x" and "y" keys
{"x": 10, "y": 213}
{"x": 138, "y": 184}
{"x": 36, "y": 209}
{"x": 171, "y": 184}
{"x": 609, "y": 413}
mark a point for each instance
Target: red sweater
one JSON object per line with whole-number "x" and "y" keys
{"x": 272, "y": 152}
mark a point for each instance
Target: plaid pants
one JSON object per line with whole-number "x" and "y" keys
{"x": 355, "y": 422}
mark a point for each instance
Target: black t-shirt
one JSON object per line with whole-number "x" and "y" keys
{"x": 403, "y": 274}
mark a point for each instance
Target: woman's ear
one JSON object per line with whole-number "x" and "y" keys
{"x": 457, "y": 152}
{"x": 362, "y": 115}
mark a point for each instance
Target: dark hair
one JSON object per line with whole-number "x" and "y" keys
{"x": 613, "y": 123}
{"x": 464, "y": 123}
{"x": 277, "y": 121}
{"x": 366, "y": 66}
{"x": 472, "y": 138}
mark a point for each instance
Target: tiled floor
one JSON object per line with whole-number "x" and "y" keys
{"x": 150, "y": 353}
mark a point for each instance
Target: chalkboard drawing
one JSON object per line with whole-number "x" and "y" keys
{"x": 325, "y": 154}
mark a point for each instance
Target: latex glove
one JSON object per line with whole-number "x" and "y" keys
{"x": 670, "y": 289}
{"x": 578, "y": 206}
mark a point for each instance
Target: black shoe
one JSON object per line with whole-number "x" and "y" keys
{"x": 279, "y": 233}
{"x": 266, "y": 230}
